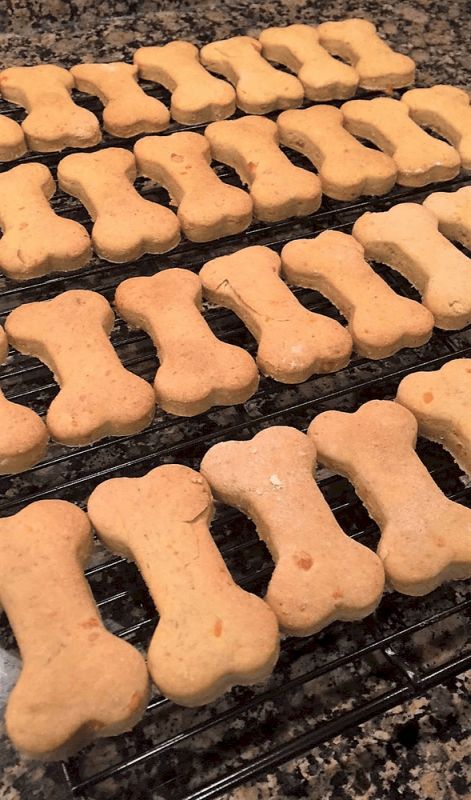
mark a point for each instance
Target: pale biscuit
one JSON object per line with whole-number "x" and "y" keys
{"x": 78, "y": 682}
{"x": 380, "y": 321}
{"x": 453, "y": 211}
{"x": 196, "y": 369}
{"x": 425, "y": 538}
{"x": 278, "y": 189}
{"x": 346, "y": 167}
{"x": 207, "y": 207}
{"x": 446, "y": 110}
{"x": 211, "y": 634}
{"x": 293, "y": 343}
{"x": 270, "y": 478}
{"x": 441, "y": 404}
{"x": 197, "y": 96}
{"x": 53, "y": 120}
{"x": 407, "y": 239}
{"x": 98, "y": 396}
{"x": 12, "y": 139}
{"x": 36, "y": 241}
{"x": 297, "y": 47}
{"x": 419, "y": 157}
{"x": 128, "y": 109}
{"x": 126, "y": 224}
{"x": 378, "y": 65}
{"x": 23, "y": 436}
{"x": 260, "y": 88}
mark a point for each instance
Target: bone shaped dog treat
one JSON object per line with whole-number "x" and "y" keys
{"x": 197, "y": 96}
{"x": 36, "y": 240}
{"x": 357, "y": 41}
{"x": 380, "y": 321}
{"x": 419, "y": 157}
{"x": 126, "y": 225}
{"x": 270, "y": 478}
{"x": 78, "y": 682}
{"x": 453, "y": 211}
{"x": 211, "y": 634}
{"x": 446, "y": 110}
{"x": 196, "y": 370}
{"x": 425, "y": 538}
{"x": 346, "y": 167}
{"x": 98, "y": 396}
{"x": 441, "y": 403}
{"x": 297, "y": 47}
{"x": 207, "y": 207}
{"x": 406, "y": 238}
{"x": 278, "y": 189}
{"x": 12, "y": 139}
{"x": 128, "y": 109}
{"x": 23, "y": 436}
{"x": 260, "y": 88}
{"x": 293, "y": 342}
{"x": 53, "y": 121}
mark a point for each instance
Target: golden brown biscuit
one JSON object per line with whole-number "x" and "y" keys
{"x": 425, "y": 538}
{"x": 12, "y": 139}
{"x": 453, "y": 211}
{"x": 78, "y": 682}
{"x": 211, "y": 634}
{"x": 446, "y": 110}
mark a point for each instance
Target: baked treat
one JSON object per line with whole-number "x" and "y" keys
{"x": 207, "y": 207}
{"x": 53, "y": 120}
{"x": 297, "y": 47}
{"x": 453, "y": 211}
{"x": 425, "y": 538}
{"x": 196, "y": 369}
{"x": 446, "y": 110}
{"x": 270, "y": 478}
{"x": 441, "y": 403}
{"x": 126, "y": 225}
{"x": 380, "y": 321}
{"x": 294, "y": 343}
{"x": 406, "y": 238}
{"x": 346, "y": 167}
{"x": 211, "y": 634}
{"x": 197, "y": 96}
{"x": 78, "y": 682}
{"x": 128, "y": 109}
{"x": 98, "y": 396}
{"x": 420, "y": 158}
{"x": 278, "y": 189}
{"x": 12, "y": 139}
{"x": 35, "y": 239}
{"x": 357, "y": 41}
{"x": 260, "y": 88}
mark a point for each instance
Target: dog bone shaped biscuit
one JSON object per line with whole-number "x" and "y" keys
{"x": 196, "y": 370}
{"x": 197, "y": 96}
{"x": 357, "y": 41}
{"x": 12, "y": 139}
{"x": 53, "y": 121}
{"x": 406, "y": 238}
{"x": 278, "y": 189}
{"x": 270, "y": 478}
{"x": 297, "y": 47}
{"x": 207, "y": 207}
{"x": 211, "y": 634}
{"x": 293, "y": 342}
{"x": 346, "y": 167}
{"x": 441, "y": 403}
{"x": 98, "y": 396}
{"x": 260, "y": 88}
{"x": 78, "y": 682}
{"x": 446, "y": 110}
{"x": 36, "y": 240}
{"x": 419, "y": 157}
{"x": 425, "y": 538}
{"x": 453, "y": 211}
{"x": 380, "y": 321}
{"x": 128, "y": 109}
{"x": 126, "y": 225}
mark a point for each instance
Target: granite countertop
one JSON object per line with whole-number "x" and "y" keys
{"x": 421, "y": 751}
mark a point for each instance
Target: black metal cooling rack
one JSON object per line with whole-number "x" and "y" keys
{"x": 324, "y": 685}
